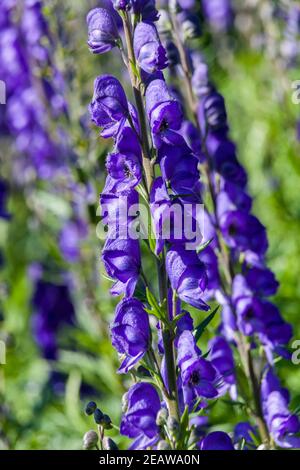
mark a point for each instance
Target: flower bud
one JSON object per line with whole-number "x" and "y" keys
{"x": 90, "y": 408}
{"x": 106, "y": 422}
{"x": 109, "y": 444}
{"x": 174, "y": 6}
{"x": 164, "y": 25}
{"x": 173, "y": 425}
{"x": 98, "y": 416}
{"x": 90, "y": 440}
{"x": 124, "y": 403}
{"x": 123, "y": 5}
{"x": 190, "y": 25}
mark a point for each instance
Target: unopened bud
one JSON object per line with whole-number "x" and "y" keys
{"x": 98, "y": 416}
{"x": 109, "y": 444}
{"x": 90, "y": 440}
{"x": 173, "y": 425}
{"x": 106, "y": 422}
{"x": 124, "y": 403}
{"x": 90, "y": 408}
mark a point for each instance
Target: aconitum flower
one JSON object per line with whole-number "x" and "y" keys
{"x": 216, "y": 440}
{"x": 102, "y": 31}
{"x": 109, "y": 107}
{"x": 122, "y": 4}
{"x": 122, "y": 261}
{"x": 221, "y": 357}
{"x": 212, "y": 112}
{"x": 283, "y": 426}
{"x": 164, "y": 112}
{"x": 130, "y": 332}
{"x": 149, "y": 52}
{"x": 124, "y": 164}
{"x": 196, "y": 373}
{"x": 187, "y": 275}
{"x": 145, "y": 8}
{"x": 218, "y": 14}
{"x": 244, "y": 232}
{"x": 52, "y": 309}
{"x": 139, "y": 419}
{"x": 243, "y": 433}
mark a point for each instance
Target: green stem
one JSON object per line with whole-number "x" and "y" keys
{"x": 167, "y": 334}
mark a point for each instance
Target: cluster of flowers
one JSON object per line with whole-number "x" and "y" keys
{"x": 157, "y": 154}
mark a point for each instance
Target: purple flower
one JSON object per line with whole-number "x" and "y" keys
{"x": 261, "y": 281}
{"x": 179, "y": 168}
{"x": 217, "y": 440}
{"x": 244, "y": 232}
{"x": 124, "y": 164}
{"x": 191, "y": 136}
{"x": 130, "y": 332}
{"x": 122, "y": 261}
{"x": 70, "y": 239}
{"x": 282, "y": 424}
{"x": 122, "y": 4}
{"x": 164, "y": 112}
{"x": 196, "y": 373}
{"x": 52, "y": 308}
{"x": 145, "y": 8}
{"x": 221, "y": 358}
{"x": 139, "y": 420}
{"x": 244, "y": 432}
{"x": 218, "y": 14}
{"x": 102, "y": 31}
{"x": 109, "y": 107}
{"x": 148, "y": 50}
{"x": 187, "y": 276}
{"x": 212, "y": 112}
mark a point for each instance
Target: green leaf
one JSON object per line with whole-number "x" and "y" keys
{"x": 203, "y": 325}
{"x": 156, "y": 309}
{"x": 203, "y": 246}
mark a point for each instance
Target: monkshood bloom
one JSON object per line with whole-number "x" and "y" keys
{"x": 187, "y": 275}
{"x": 145, "y": 8}
{"x": 243, "y": 433}
{"x": 244, "y": 232}
{"x": 148, "y": 50}
{"x": 139, "y": 419}
{"x": 216, "y": 440}
{"x": 221, "y": 357}
{"x": 283, "y": 426}
{"x": 103, "y": 33}
{"x": 218, "y": 13}
{"x": 52, "y": 309}
{"x": 164, "y": 113}
{"x": 122, "y": 261}
{"x": 124, "y": 164}
{"x": 179, "y": 168}
{"x": 130, "y": 332}
{"x": 197, "y": 373}
{"x": 109, "y": 107}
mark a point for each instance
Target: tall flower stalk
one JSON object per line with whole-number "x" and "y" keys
{"x": 157, "y": 158}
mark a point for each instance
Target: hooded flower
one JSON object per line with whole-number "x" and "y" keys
{"x": 109, "y": 107}
{"x": 145, "y": 8}
{"x": 122, "y": 261}
{"x": 282, "y": 424}
{"x": 124, "y": 163}
{"x": 243, "y": 433}
{"x": 139, "y": 420}
{"x": 102, "y": 31}
{"x": 130, "y": 332}
{"x": 164, "y": 113}
{"x": 217, "y": 440}
{"x": 221, "y": 358}
{"x": 187, "y": 275}
{"x": 148, "y": 50}
{"x": 218, "y": 13}
{"x": 244, "y": 232}
{"x": 197, "y": 373}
